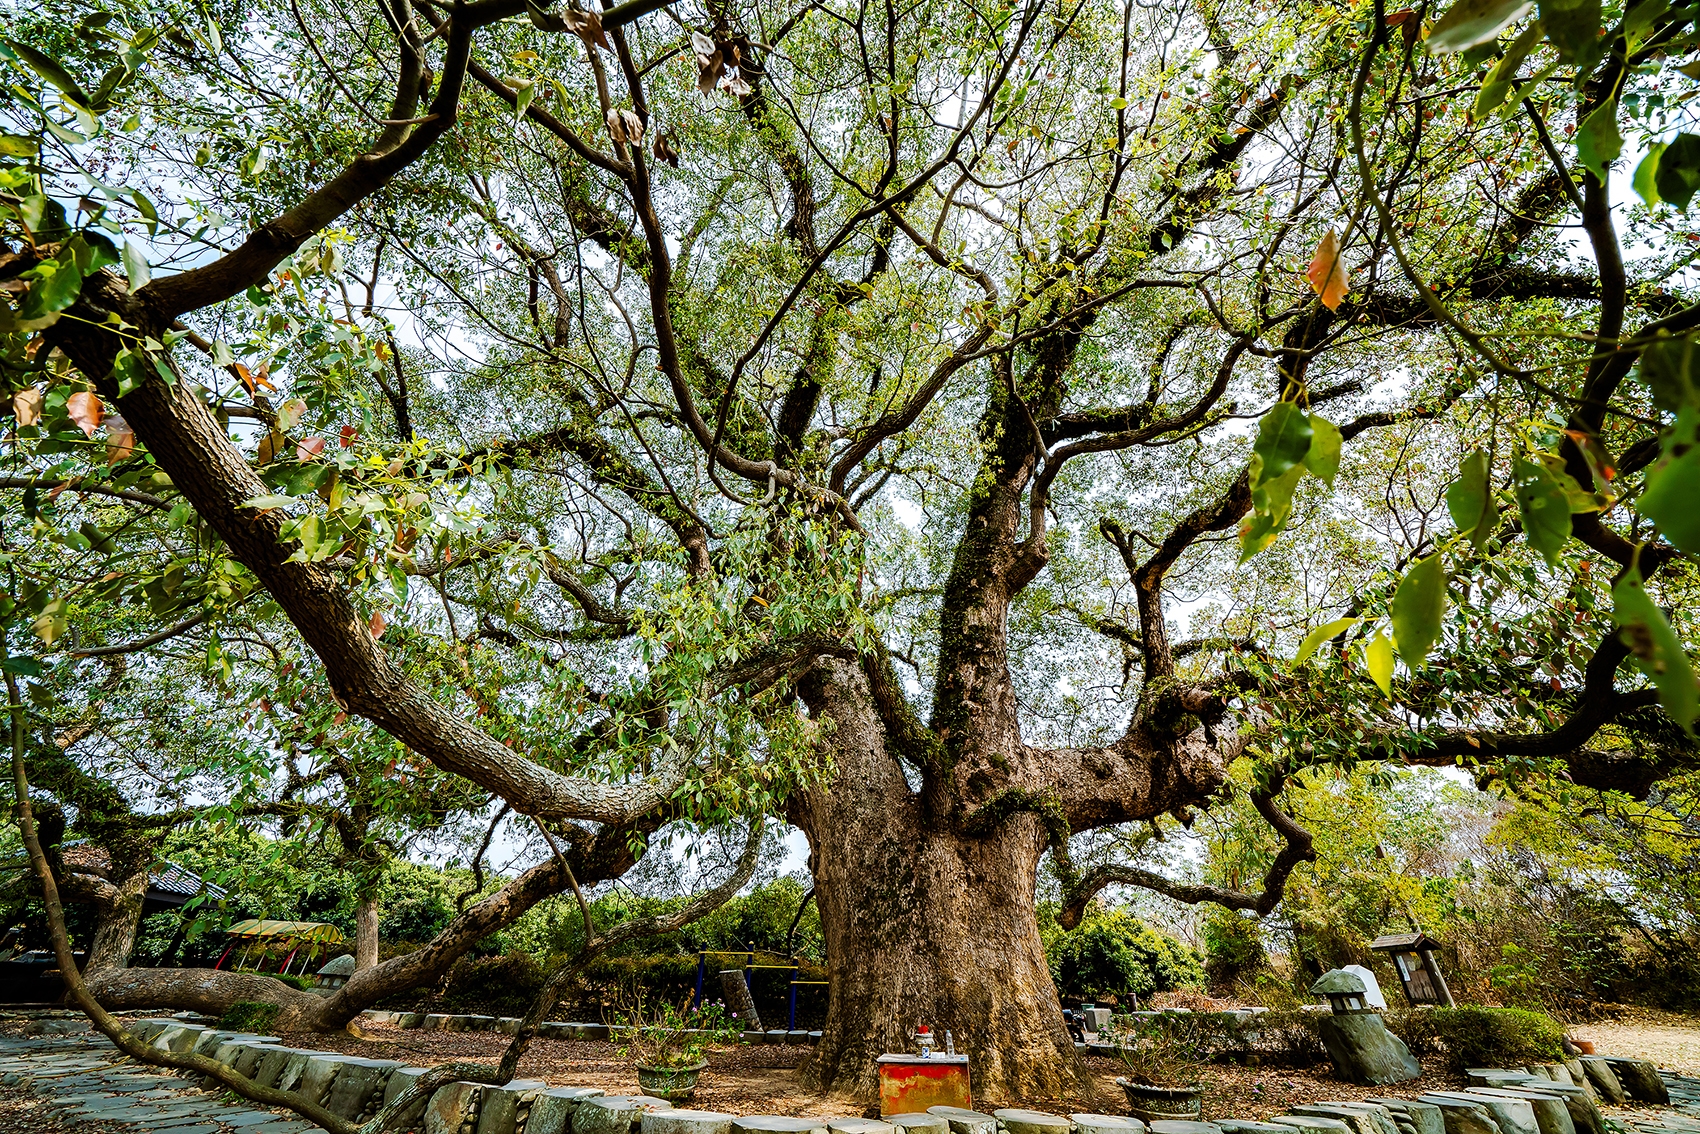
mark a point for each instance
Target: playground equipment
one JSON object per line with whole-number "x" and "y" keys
{"x": 750, "y": 963}
{"x": 313, "y": 937}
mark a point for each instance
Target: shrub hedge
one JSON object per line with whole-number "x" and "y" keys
{"x": 1477, "y": 1036}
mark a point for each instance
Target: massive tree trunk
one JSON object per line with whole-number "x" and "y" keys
{"x": 928, "y": 909}
{"x": 927, "y": 925}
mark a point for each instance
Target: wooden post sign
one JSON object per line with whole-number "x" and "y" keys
{"x": 1419, "y": 974}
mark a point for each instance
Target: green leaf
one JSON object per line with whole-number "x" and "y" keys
{"x": 1597, "y": 141}
{"x": 1471, "y": 22}
{"x": 1283, "y": 440}
{"x": 1498, "y": 83}
{"x": 1418, "y": 607}
{"x": 1672, "y": 496}
{"x": 1323, "y": 459}
{"x": 1645, "y": 182}
{"x": 150, "y": 215}
{"x": 1655, "y": 649}
{"x": 56, "y": 286}
{"x": 21, "y": 666}
{"x": 17, "y": 145}
{"x": 1671, "y": 370}
{"x": 1272, "y": 504}
{"x": 135, "y": 265}
{"x": 1470, "y": 499}
{"x": 49, "y": 69}
{"x": 1573, "y": 26}
{"x": 1676, "y": 173}
{"x": 266, "y": 503}
{"x": 1314, "y": 640}
{"x": 1642, "y": 16}
{"x": 1378, "y": 659}
{"x": 1544, "y": 504}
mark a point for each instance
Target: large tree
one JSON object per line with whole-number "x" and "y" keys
{"x": 884, "y": 366}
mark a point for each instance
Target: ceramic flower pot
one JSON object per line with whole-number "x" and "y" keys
{"x": 1150, "y": 1104}
{"x": 675, "y": 1084}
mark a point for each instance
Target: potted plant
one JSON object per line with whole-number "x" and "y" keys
{"x": 1162, "y": 1051}
{"x": 668, "y": 1046}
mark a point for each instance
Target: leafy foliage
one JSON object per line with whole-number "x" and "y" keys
{"x": 1113, "y": 953}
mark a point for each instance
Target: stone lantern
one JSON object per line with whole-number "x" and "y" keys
{"x": 1345, "y": 991}
{"x": 1363, "y": 1050}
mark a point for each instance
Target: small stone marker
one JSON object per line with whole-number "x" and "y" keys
{"x": 1372, "y": 987}
{"x": 964, "y": 1121}
{"x": 1584, "y": 1114}
{"x": 1244, "y": 1126}
{"x": 920, "y": 1122}
{"x": 672, "y": 1121}
{"x": 1552, "y": 1115}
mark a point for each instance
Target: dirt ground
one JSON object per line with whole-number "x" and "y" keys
{"x": 1668, "y": 1039}
{"x": 761, "y": 1078}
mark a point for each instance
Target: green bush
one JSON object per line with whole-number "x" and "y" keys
{"x": 249, "y": 1016}
{"x": 1113, "y": 953}
{"x": 1474, "y": 1036}
{"x": 1233, "y": 945}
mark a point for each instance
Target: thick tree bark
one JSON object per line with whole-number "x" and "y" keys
{"x": 116, "y": 922}
{"x": 924, "y": 923}
{"x": 366, "y": 933}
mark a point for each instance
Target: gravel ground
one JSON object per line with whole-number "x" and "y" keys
{"x": 1667, "y": 1038}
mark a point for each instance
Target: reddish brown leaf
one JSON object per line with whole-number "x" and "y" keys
{"x": 1327, "y": 272}
{"x": 246, "y": 375}
{"x": 85, "y": 409}
{"x": 309, "y": 448}
{"x": 348, "y": 436}
{"x": 120, "y": 440}
{"x": 377, "y": 624}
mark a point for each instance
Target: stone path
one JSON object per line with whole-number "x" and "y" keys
{"x": 1681, "y": 1117}
{"x": 83, "y": 1077}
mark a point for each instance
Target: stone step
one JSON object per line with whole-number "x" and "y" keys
{"x": 671, "y": 1121}
{"x": 1019, "y": 1121}
{"x": 964, "y": 1121}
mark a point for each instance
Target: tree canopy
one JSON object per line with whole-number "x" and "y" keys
{"x": 988, "y": 421}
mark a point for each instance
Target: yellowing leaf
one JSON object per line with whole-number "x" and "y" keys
{"x": 85, "y": 409}
{"x": 26, "y": 404}
{"x": 289, "y": 414}
{"x": 1327, "y": 274}
{"x": 1313, "y": 641}
{"x": 1378, "y": 659}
